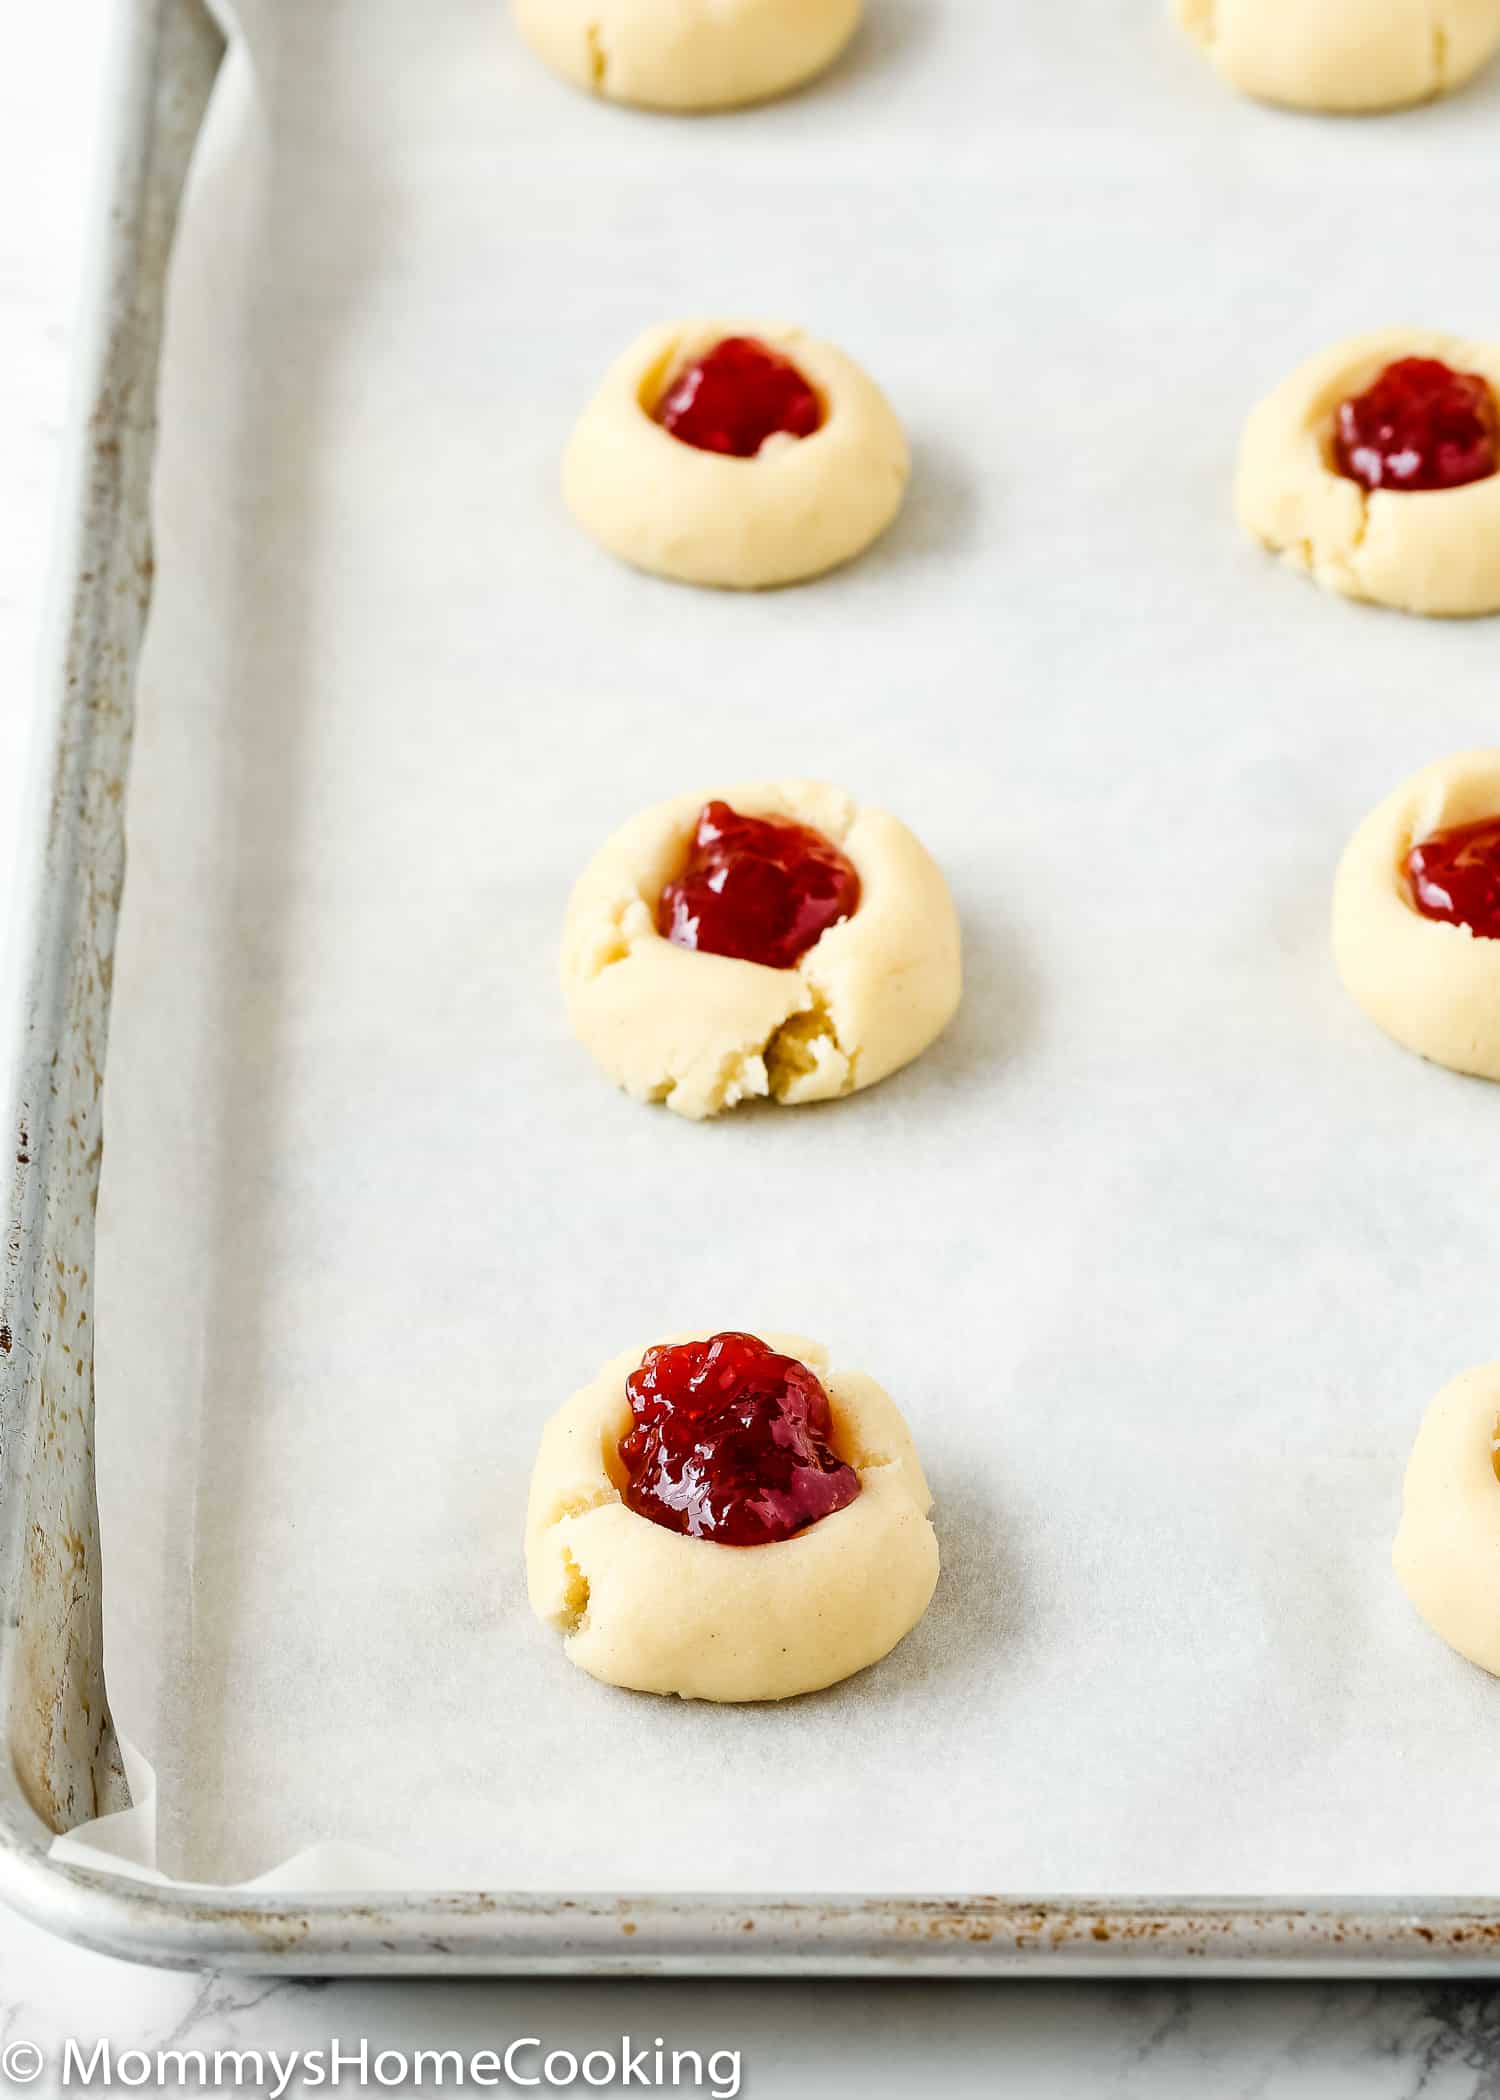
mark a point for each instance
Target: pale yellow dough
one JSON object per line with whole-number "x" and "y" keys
{"x": 1447, "y": 1552}
{"x": 799, "y": 507}
{"x": 1345, "y": 55}
{"x": 687, "y": 54}
{"x": 702, "y": 1032}
{"x": 1427, "y": 551}
{"x": 654, "y": 1611}
{"x": 1434, "y": 987}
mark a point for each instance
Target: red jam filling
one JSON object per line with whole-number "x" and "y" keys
{"x": 1455, "y": 876}
{"x": 763, "y": 892}
{"x": 732, "y": 1443}
{"x": 736, "y": 396}
{"x": 1420, "y": 426}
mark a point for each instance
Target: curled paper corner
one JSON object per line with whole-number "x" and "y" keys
{"x": 122, "y": 1843}
{"x": 125, "y": 1844}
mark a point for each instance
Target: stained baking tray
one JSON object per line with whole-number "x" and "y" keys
{"x": 64, "y": 1765}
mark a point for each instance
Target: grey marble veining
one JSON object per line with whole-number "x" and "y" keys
{"x": 1075, "y": 2042}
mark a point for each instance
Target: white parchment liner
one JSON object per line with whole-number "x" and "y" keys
{"x": 1162, "y": 1250}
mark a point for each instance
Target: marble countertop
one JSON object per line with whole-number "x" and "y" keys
{"x": 950, "y": 2042}
{"x": 1304, "y": 2042}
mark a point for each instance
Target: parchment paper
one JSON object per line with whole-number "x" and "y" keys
{"x": 1163, "y": 1249}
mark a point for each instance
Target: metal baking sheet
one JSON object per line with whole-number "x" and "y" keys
{"x": 959, "y": 518}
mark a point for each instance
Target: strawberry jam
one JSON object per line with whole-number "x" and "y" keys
{"x": 761, "y": 891}
{"x": 736, "y": 396}
{"x": 732, "y": 1443}
{"x": 1420, "y": 426}
{"x": 1455, "y": 876}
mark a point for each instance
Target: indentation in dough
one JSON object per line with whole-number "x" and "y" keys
{"x": 854, "y": 1008}
{"x": 1439, "y": 58}
{"x": 598, "y": 58}
{"x": 807, "y": 1046}
{"x": 575, "y": 1598}
{"x": 836, "y": 821}
{"x": 615, "y": 940}
{"x": 654, "y": 380}
{"x": 582, "y": 1505}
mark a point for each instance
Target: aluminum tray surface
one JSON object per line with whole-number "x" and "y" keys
{"x": 64, "y": 1767}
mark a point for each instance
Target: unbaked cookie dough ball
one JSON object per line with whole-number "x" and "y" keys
{"x": 737, "y": 456}
{"x": 1416, "y": 914}
{"x": 723, "y": 1517}
{"x": 1447, "y": 1552}
{"x": 767, "y": 940}
{"x": 1345, "y": 55}
{"x": 687, "y": 54}
{"x": 1374, "y": 469}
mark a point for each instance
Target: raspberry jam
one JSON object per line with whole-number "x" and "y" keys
{"x": 731, "y": 1443}
{"x": 1421, "y": 426}
{"x": 736, "y": 396}
{"x": 761, "y": 891}
{"x": 1455, "y": 876}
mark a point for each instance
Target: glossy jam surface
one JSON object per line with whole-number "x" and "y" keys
{"x": 1420, "y": 426}
{"x": 731, "y": 1443}
{"x": 763, "y": 892}
{"x": 1455, "y": 876}
{"x": 736, "y": 396}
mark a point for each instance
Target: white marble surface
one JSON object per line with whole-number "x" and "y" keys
{"x": 1294, "y": 2043}
{"x": 1006, "y": 2042}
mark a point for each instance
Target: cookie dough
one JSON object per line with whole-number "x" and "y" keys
{"x": 1433, "y": 551}
{"x": 1435, "y": 987}
{"x": 1345, "y": 55}
{"x": 687, "y": 54}
{"x": 655, "y": 1611}
{"x": 799, "y": 507}
{"x": 702, "y": 1032}
{"x": 1447, "y": 1552}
